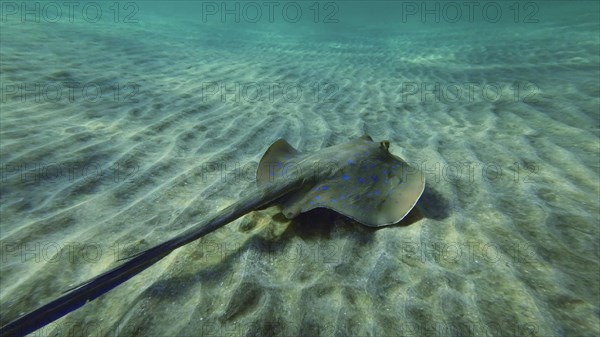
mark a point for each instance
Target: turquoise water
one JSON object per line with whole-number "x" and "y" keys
{"x": 122, "y": 124}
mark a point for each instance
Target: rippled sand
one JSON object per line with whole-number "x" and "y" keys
{"x": 503, "y": 242}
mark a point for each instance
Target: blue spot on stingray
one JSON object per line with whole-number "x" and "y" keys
{"x": 342, "y": 197}
{"x": 345, "y": 177}
{"x": 317, "y": 197}
{"x": 333, "y": 200}
{"x": 385, "y": 172}
{"x": 368, "y": 195}
{"x": 278, "y": 165}
{"x": 373, "y": 165}
{"x": 374, "y": 178}
{"x": 272, "y": 174}
{"x": 316, "y": 188}
{"x": 350, "y": 161}
{"x": 325, "y": 188}
{"x": 376, "y": 192}
{"x": 360, "y": 180}
{"x": 312, "y": 203}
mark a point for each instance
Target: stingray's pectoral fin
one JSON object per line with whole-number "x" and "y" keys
{"x": 278, "y": 162}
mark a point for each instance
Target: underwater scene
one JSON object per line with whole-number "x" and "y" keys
{"x": 300, "y": 168}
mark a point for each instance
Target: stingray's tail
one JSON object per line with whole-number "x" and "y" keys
{"x": 87, "y": 291}
{"x": 76, "y": 297}
{"x": 90, "y": 290}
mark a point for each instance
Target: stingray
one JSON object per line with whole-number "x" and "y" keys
{"x": 359, "y": 179}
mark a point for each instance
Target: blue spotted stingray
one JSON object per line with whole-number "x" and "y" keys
{"x": 359, "y": 179}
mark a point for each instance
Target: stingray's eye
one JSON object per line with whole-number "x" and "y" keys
{"x": 385, "y": 144}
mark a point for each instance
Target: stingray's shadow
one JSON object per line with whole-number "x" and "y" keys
{"x": 316, "y": 225}
{"x": 432, "y": 205}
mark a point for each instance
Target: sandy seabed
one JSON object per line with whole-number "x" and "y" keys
{"x": 504, "y": 123}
